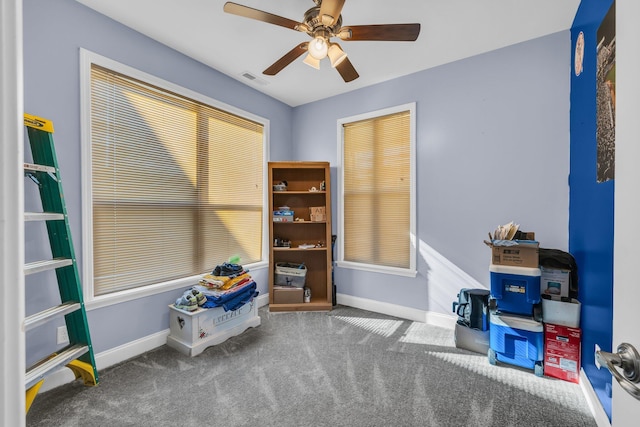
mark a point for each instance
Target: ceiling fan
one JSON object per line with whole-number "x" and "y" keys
{"x": 321, "y": 23}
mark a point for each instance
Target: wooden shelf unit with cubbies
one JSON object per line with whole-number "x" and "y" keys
{"x": 307, "y": 185}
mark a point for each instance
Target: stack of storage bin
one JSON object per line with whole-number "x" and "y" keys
{"x": 560, "y": 315}
{"x": 516, "y": 332}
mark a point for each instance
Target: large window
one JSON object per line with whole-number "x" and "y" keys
{"x": 176, "y": 184}
{"x": 377, "y": 188}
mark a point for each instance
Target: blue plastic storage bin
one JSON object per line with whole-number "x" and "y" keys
{"x": 516, "y": 340}
{"x": 515, "y": 289}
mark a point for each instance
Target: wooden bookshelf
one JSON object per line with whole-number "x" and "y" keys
{"x": 304, "y": 190}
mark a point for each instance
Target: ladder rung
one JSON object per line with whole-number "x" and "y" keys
{"x": 32, "y": 167}
{"x": 48, "y": 314}
{"x": 42, "y": 216}
{"x": 50, "y": 264}
{"x": 55, "y": 361}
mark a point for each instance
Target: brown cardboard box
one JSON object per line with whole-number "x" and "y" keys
{"x": 287, "y": 295}
{"x": 524, "y": 253}
{"x": 317, "y": 213}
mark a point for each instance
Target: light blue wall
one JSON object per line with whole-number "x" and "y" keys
{"x": 492, "y": 147}
{"x": 54, "y": 31}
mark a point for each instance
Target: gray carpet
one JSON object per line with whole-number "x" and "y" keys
{"x": 348, "y": 367}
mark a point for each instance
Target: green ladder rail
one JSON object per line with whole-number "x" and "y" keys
{"x": 78, "y": 354}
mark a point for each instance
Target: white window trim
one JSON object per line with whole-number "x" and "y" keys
{"x": 86, "y": 59}
{"x": 408, "y": 272}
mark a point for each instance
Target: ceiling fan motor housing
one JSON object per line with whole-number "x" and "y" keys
{"x": 313, "y": 22}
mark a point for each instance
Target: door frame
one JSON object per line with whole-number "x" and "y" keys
{"x": 626, "y": 291}
{"x": 12, "y": 355}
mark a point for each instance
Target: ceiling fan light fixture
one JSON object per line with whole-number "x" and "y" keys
{"x": 311, "y": 61}
{"x": 318, "y": 48}
{"x": 336, "y": 54}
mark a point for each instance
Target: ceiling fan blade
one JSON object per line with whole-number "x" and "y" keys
{"x": 287, "y": 59}
{"x": 248, "y": 12}
{"x": 382, "y": 32}
{"x": 330, "y": 11}
{"x": 346, "y": 70}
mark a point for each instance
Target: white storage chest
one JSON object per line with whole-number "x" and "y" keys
{"x": 192, "y": 332}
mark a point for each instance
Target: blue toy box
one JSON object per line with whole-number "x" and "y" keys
{"x": 515, "y": 289}
{"x": 516, "y": 340}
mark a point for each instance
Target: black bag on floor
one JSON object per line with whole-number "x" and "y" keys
{"x": 555, "y": 258}
{"x": 472, "y": 308}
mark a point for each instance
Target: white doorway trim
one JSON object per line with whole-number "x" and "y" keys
{"x": 12, "y": 353}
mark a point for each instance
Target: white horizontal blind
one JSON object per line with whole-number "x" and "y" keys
{"x": 377, "y": 191}
{"x": 176, "y": 184}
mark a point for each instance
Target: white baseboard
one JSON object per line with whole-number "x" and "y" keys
{"x": 441, "y": 320}
{"x": 109, "y": 358}
{"x": 262, "y": 300}
{"x": 436, "y": 319}
{"x": 599, "y": 415}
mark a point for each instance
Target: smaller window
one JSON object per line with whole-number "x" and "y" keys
{"x": 377, "y": 191}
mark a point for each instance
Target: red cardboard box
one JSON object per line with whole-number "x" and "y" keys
{"x": 562, "y": 352}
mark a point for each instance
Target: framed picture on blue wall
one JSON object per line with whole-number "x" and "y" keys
{"x": 606, "y": 96}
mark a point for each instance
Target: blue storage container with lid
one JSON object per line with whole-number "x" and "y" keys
{"x": 515, "y": 289}
{"x": 516, "y": 340}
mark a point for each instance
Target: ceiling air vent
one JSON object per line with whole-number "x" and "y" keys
{"x": 249, "y": 76}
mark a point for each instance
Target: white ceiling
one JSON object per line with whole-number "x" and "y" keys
{"x": 450, "y": 30}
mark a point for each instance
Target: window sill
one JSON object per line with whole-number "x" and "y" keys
{"x": 378, "y": 269}
{"x": 147, "y": 291}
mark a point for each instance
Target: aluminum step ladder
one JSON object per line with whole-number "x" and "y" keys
{"x": 78, "y": 354}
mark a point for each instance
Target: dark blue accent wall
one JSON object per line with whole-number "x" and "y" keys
{"x": 590, "y": 205}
